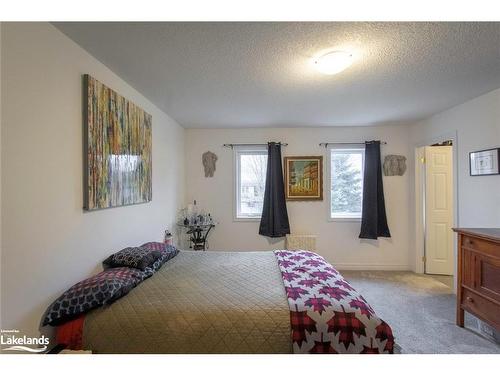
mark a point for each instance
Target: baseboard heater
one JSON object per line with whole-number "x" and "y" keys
{"x": 301, "y": 242}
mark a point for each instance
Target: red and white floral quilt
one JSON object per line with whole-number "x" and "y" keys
{"x": 327, "y": 315}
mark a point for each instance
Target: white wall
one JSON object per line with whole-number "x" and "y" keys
{"x": 48, "y": 242}
{"x": 477, "y": 126}
{"x": 337, "y": 241}
{"x": 0, "y": 168}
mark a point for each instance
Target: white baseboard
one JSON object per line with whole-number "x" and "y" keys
{"x": 371, "y": 267}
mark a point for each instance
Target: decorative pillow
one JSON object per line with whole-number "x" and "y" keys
{"x": 167, "y": 253}
{"x": 158, "y": 246}
{"x": 105, "y": 287}
{"x": 136, "y": 257}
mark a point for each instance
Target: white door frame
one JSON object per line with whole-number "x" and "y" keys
{"x": 419, "y": 197}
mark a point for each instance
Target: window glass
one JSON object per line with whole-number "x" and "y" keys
{"x": 251, "y": 182}
{"x": 346, "y": 182}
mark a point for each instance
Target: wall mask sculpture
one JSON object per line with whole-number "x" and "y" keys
{"x": 394, "y": 165}
{"x": 117, "y": 145}
{"x": 209, "y": 159}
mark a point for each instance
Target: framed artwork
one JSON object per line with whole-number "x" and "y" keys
{"x": 304, "y": 178}
{"x": 117, "y": 149}
{"x": 485, "y": 162}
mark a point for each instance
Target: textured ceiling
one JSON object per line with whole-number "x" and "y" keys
{"x": 259, "y": 74}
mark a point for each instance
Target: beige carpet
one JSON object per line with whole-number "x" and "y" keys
{"x": 446, "y": 280}
{"x": 421, "y": 312}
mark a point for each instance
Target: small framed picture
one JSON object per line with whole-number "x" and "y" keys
{"x": 485, "y": 162}
{"x": 304, "y": 178}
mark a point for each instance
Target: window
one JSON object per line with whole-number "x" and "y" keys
{"x": 346, "y": 182}
{"x": 250, "y": 172}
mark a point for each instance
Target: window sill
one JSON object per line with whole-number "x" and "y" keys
{"x": 246, "y": 219}
{"x": 345, "y": 219}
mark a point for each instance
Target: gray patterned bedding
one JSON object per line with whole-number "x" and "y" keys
{"x": 198, "y": 302}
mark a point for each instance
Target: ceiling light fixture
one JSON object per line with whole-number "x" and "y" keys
{"x": 334, "y": 62}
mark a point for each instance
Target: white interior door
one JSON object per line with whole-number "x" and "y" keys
{"x": 439, "y": 210}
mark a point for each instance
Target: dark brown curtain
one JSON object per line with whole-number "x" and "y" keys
{"x": 374, "y": 219}
{"x": 274, "y": 220}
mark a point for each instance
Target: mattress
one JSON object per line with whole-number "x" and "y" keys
{"x": 198, "y": 302}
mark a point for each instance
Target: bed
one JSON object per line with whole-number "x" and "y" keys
{"x": 235, "y": 302}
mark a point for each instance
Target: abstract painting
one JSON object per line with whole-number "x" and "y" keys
{"x": 304, "y": 178}
{"x": 118, "y": 145}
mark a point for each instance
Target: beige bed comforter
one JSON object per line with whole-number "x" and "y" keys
{"x": 198, "y": 302}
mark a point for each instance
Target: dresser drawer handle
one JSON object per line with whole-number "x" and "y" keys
{"x": 470, "y": 242}
{"x": 470, "y": 299}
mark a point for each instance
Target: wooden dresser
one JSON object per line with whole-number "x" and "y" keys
{"x": 478, "y": 277}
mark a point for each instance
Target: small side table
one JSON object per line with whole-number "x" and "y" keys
{"x": 198, "y": 234}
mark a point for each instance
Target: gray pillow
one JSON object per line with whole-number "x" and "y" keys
{"x": 136, "y": 257}
{"x": 100, "y": 289}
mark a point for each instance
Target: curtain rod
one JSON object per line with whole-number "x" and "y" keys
{"x": 325, "y": 144}
{"x": 251, "y": 144}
